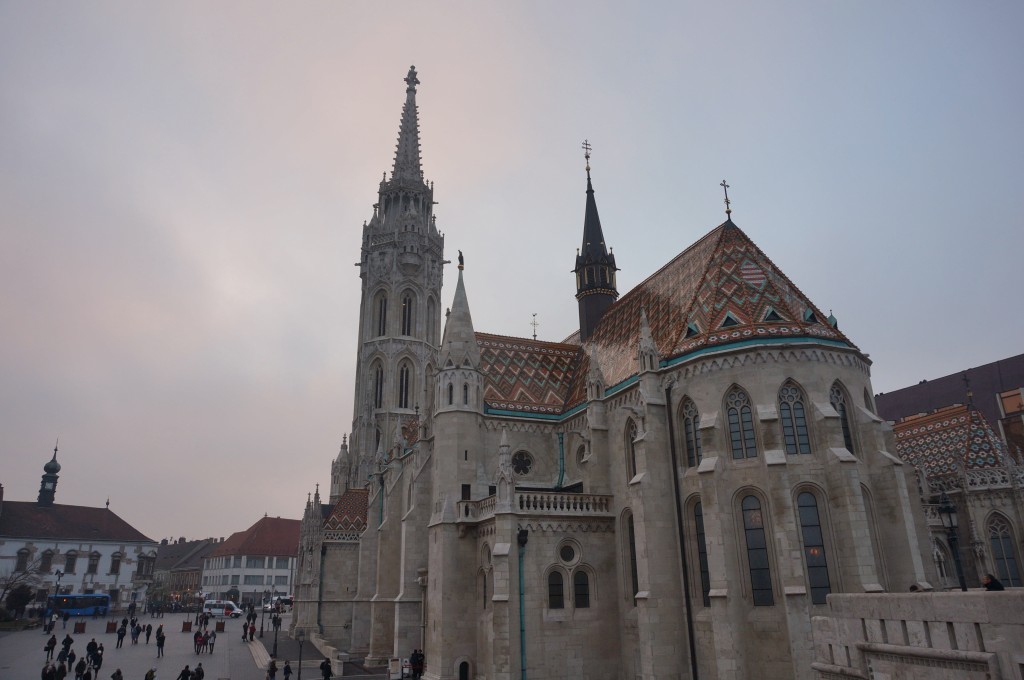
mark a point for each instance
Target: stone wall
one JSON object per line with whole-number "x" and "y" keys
{"x": 912, "y": 636}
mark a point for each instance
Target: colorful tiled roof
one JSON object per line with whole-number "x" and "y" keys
{"x": 524, "y": 375}
{"x": 949, "y": 440}
{"x": 20, "y": 519}
{"x": 349, "y": 514}
{"x": 269, "y": 536}
{"x": 720, "y": 290}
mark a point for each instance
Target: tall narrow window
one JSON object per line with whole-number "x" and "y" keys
{"x": 741, "y": 424}
{"x": 1004, "y": 557}
{"x": 631, "y": 537}
{"x": 580, "y": 589}
{"x": 556, "y": 596}
{"x": 631, "y": 434}
{"x": 465, "y": 394}
{"x": 702, "y": 554}
{"x": 378, "y": 386}
{"x": 403, "y": 386}
{"x": 382, "y": 314}
{"x": 46, "y": 562}
{"x": 431, "y": 321}
{"x": 407, "y": 309}
{"x": 794, "y": 419}
{"x": 70, "y": 562}
{"x": 691, "y": 432}
{"x": 22, "y": 563}
{"x": 814, "y": 547}
{"x": 94, "y": 563}
{"x": 451, "y": 394}
{"x": 115, "y": 563}
{"x": 837, "y": 397}
{"x": 757, "y": 552}
{"x": 483, "y": 579}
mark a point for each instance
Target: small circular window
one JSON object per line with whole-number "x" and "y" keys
{"x": 567, "y": 553}
{"x": 521, "y": 463}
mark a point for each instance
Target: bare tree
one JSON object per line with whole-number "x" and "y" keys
{"x": 12, "y": 578}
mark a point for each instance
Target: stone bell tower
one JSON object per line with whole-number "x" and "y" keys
{"x": 400, "y": 266}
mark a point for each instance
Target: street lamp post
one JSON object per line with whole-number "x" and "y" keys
{"x": 301, "y": 636}
{"x": 947, "y": 512}
{"x": 263, "y": 611}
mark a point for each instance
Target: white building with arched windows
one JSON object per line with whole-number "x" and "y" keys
{"x": 672, "y": 491}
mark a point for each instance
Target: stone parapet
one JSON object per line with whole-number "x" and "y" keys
{"x": 974, "y": 634}
{"x": 539, "y": 503}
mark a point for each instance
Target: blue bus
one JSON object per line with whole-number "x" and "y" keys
{"x": 79, "y": 605}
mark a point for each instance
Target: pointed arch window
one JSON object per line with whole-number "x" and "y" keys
{"x": 691, "y": 432}
{"x": 757, "y": 552}
{"x": 837, "y": 397}
{"x": 1004, "y": 557}
{"x": 702, "y": 554}
{"x": 814, "y": 547}
{"x": 378, "y": 385}
{"x": 381, "y": 314}
{"x": 631, "y": 435}
{"x": 741, "y": 424}
{"x": 556, "y": 594}
{"x": 631, "y": 547}
{"x": 581, "y": 589}
{"x": 403, "y": 385}
{"x": 451, "y": 394}
{"x": 408, "y": 306}
{"x": 465, "y": 394}
{"x": 793, "y": 417}
{"x": 431, "y": 321}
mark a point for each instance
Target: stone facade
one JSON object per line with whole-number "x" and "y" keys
{"x": 675, "y": 495}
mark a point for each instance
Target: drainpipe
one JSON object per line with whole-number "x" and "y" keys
{"x": 522, "y": 537}
{"x": 320, "y": 591}
{"x": 561, "y": 460}
{"x": 682, "y": 536}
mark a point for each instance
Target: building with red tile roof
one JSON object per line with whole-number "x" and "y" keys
{"x": 254, "y": 564}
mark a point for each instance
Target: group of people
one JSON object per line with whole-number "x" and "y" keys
{"x": 196, "y": 673}
{"x": 136, "y": 629}
{"x": 204, "y": 640}
{"x": 59, "y": 668}
{"x": 416, "y": 660}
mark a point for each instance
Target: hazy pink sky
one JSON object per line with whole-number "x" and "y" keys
{"x": 182, "y": 187}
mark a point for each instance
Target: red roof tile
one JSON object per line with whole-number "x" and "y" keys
{"x": 19, "y": 519}
{"x": 949, "y": 440}
{"x": 526, "y": 375}
{"x": 349, "y": 514}
{"x": 269, "y": 536}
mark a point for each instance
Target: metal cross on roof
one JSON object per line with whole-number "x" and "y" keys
{"x": 728, "y": 210}
{"x": 534, "y": 323}
{"x": 586, "y": 154}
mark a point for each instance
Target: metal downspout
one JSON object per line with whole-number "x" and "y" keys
{"x": 320, "y": 589}
{"x": 682, "y": 536}
{"x": 561, "y": 460}
{"x": 522, "y": 537}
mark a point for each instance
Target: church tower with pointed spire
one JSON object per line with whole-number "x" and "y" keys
{"x": 595, "y": 266}
{"x": 48, "y": 484}
{"x": 399, "y": 317}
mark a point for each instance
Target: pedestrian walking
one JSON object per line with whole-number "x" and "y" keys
{"x": 252, "y": 631}
{"x": 325, "y": 669}
{"x": 49, "y": 672}
{"x": 121, "y": 632}
{"x": 97, "y": 659}
{"x": 51, "y": 645}
{"x": 213, "y": 640}
{"x": 80, "y": 669}
{"x": 272, "y": 670}
{"x": 287, "y": 670}
{"x": 198, "y": 673}
{"x": 160, "y": 639}
{"x": 185, "y": 674}
{"x": 117, "y": 675}
{"x": 149, "y": 631}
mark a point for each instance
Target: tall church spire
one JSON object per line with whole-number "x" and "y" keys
{"x": 459, "y": 348}
{"x": 595, "y": 266}
{"x": 407, "y": 154}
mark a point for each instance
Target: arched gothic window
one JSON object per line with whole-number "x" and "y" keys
{"x": 702, "y": 554}
{"x": 814, "y": 547}
{"x": 556, "y": 594}
{"x": 451, "y": 394}
{"x": 794, "y": 419}
{"x": 431, "y": 321}
{"x": 483, "y": 580}
{"x": 741, "y": 424}
{"x": 378, "y": 385}
{"x": 408, "y": 306}
{"x": 631, "y": 556}
{"x": 691, "y": 432}
{"x": 403, "y": 385}
{"x": 1004, "y": 557}
{"x": 381, "y": 314}
{"x": 631, "y": 434}
{"x": 757, "y": 552}
{"x": 580, "y": 589}
{"x": 465, "y": 394}
{"x": 837, "y": 397}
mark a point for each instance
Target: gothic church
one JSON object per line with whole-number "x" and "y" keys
{"x": 671, "y": 492}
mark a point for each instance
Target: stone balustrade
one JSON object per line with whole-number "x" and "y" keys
{"x": 540, "y": 503}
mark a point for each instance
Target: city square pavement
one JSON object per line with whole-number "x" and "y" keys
{"x": 22, "y": 656}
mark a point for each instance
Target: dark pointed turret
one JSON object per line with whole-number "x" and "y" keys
{"x": 407, "y": 154}
{"x": 595, "y": 266}
{"x": 48, "y": 485}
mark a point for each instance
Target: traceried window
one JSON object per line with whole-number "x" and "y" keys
{"x": 381, "y": 313}
{"x": 702, "y": 554}
{"x": 631, "y": 434}
{"x": 94, "y": 563}
{"x": 814, "y": 547}
{"x": 556, "y": 595}
{"x": 837, "y": 397}
{"x": 757, "y": 552}
{"x": 408, "y": 305}
{"x": 794, "y": 419}
{"x": 1004, "y": 556}
{"x": 691, "y": 432}
{"x": 522, "y": 463}
{"x": 378, "y": 385}
{"x": 741, "y": 424}
{"x": 581, "y": 589}
{"x": 403, "y": 386}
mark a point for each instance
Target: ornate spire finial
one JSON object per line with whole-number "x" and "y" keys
{"x": 411, "y": 80}
{"x": 535, "y": 323}
{"x": 587, "y": 148}
{"x": 462, "y": 262}
{"x": 970, "y": 392}
{"x": 108, "y": 502}
{"x": 55, "y": 448}
{"x": 728, "y": 210}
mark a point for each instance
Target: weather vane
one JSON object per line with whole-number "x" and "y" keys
{"x": 586, "y": 154}
{"x": 728, "y": 210}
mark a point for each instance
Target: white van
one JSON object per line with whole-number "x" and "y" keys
{"x": 222, "y": 608}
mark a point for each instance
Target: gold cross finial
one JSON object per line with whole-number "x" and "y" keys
{"x": 586, "y": 154}
{"x": 728, "y": 210}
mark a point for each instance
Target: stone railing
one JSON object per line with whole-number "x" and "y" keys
{"x": 539, "y": 503}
